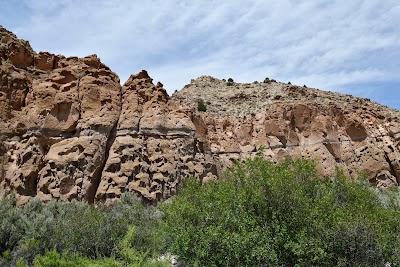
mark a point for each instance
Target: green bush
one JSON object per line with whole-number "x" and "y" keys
{"x": 6, "y": 256}
{"x": 256, "y": 214}
{"x": 201, "y": 106}
{"x": 127, "y": 256}
{"x": 261, "y": 214}
{"x": 75, "y": 228}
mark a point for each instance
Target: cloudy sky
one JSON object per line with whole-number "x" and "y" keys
{"x": 346, "y": 46}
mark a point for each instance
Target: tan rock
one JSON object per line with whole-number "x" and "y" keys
{"x": 44, "y": 61}
{"x": 154, "y": 143}
{"x": 354, "y": 134}
{"x": 68, "y": 130}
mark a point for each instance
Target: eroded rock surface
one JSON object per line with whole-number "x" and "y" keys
{"x": 55, "y": 119}
{"x": 154, "y": 145}
{"x": 281, "y": 120}
{"x": 69, "y": 130}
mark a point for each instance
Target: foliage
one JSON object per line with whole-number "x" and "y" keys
{"x": 261, "y": 214}
{"x": 6, "y": 255}
{"x": 201, "y": 106}
{"x": 230, "y": 82}
{"x": 75, "y": 228}
{"x": 267, "y": 80}
{"x": 53, "y": 258}
{"x": 129, "y": 256}
{"x": 257, "y": 214}
{"x": 80, "y": 75}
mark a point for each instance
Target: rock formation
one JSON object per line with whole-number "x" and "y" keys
{"x": 154, "y": 145}
{"x": 336, "y": 130}
{"x": 69, "y": 130}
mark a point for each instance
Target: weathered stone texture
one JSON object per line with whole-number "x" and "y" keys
{"x": 69, "y": 130}
{"x": 281, "y": 120}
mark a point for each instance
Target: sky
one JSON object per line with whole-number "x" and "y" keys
{"x": 351, "y": 47}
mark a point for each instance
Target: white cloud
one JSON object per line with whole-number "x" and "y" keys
{"x": 325, "y": 44}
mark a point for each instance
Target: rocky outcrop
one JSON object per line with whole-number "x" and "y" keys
{"x": 56, "y": 117}
{"x": 69, "y": 130}
{"x": 280, "y": 120}
{"x": 154, "y": 145}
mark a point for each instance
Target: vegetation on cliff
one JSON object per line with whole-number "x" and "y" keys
{"x": 257, "y": 214}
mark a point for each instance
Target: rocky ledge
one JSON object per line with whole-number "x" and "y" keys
{"x": 69, "y": 130}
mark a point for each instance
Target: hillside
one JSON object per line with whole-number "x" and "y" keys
{"x": 69, "y": 130}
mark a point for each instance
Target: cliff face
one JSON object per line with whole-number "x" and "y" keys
{"x": 56, "y": 117}
{"x": 69, "y": 130}
{"x": 337, "y": 130}
{"x": 153, "y": 146}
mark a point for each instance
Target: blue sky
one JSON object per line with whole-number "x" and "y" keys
{"x": 351, "y": 47}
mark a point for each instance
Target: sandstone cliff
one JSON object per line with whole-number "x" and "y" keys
{"x": 354, "y": 134}
{"x": 69, "y": 130}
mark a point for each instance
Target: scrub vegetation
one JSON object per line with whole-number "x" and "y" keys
{"x": 257, "y": 214}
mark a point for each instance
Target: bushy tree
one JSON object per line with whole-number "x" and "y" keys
{"x": 201, "y": 106}
{"x": 261, "y": 214}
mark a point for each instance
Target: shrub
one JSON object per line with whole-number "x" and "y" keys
{"x": 230, "y": 82}
{"x": 261, "y": 214}
{"x": 201, "y": 106}
{"x": 75, "y": 227}
{"x": 80, "y": 75}
{"x": 267, "y": 80}
{"x": 6, "y": 255}
{"x": 289, "y": 83}
{"x": 127, "y": 256}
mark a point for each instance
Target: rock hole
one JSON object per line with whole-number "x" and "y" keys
{"x": 283, "y": 140}
{"x": 356, "y": 132}
{"x": 26, "y": 157}
{"x": 113, "y": 168}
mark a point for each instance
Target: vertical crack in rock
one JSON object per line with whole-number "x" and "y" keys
{"x": 392, "y": 169}
{"x": 79, "y": 101}
{"x": 98, "y": 174}
{"x": 3, "y": 160}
